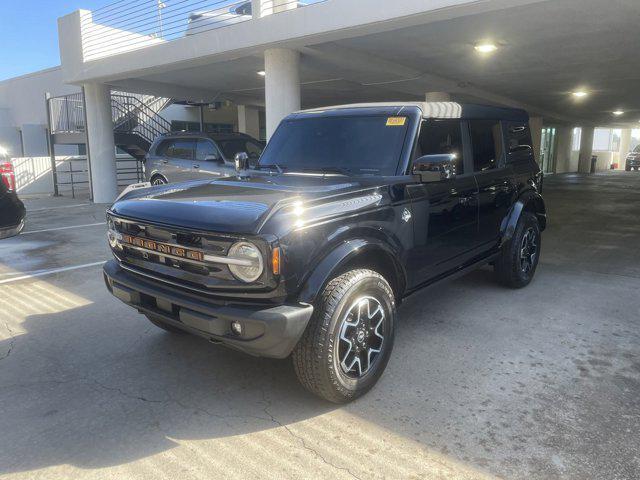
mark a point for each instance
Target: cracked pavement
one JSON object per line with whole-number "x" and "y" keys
{"x": 483, "y": 383}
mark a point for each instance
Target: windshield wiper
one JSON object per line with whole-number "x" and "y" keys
{"x": 272, "y": 166}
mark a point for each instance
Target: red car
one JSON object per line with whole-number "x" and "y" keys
{"x": 12, "y": 210}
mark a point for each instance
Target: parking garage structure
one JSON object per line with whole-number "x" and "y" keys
{"x": 280, "y": 56}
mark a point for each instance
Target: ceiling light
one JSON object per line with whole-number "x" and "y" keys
{"x": 617, "y": 113}
{"x": 486, "y": 47}
{"x": 262, "y": 73}
{"x": 579, "y": 93}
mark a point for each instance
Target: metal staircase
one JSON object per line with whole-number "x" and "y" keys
{"x": 136, "y": 120}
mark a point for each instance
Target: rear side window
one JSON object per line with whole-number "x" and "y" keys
{"x": 442, "y": 137}
{"x": 182, "y": 148}
{"x": 486, "y": 140}
{"x": 518, "y": 140}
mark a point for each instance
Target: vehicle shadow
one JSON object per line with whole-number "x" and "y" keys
{"x": 77, "y": 390}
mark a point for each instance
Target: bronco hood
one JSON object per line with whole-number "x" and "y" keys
{"x": 231, "y": 205}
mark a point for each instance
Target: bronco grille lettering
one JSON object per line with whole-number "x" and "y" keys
{"x": 163, "y": 248}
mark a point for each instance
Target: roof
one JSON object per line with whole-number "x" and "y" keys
{"x": 434, "y": 110}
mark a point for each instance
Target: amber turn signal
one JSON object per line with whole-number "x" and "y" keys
{"x": 275, "y": 260}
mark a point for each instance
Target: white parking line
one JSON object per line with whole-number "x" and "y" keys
{"x": 56, "y": 208}
{"x": 51, "y": 271}
{"x": 63, "y": 228}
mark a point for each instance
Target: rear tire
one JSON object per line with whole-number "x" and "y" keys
{"x": 349, "y": 339}
{"x": 518, "y": 260}
{"x": 158, "y": 322}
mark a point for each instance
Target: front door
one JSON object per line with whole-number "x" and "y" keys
{"x": 445, "y": 212}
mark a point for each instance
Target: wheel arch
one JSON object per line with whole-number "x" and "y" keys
{"x": 353, "y": 254}
{"x": 530, "y": 201}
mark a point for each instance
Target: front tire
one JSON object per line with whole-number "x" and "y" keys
{"x": 518, "y": 259}
{"x": 349, "y": 339}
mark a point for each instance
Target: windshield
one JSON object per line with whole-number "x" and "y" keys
{"x": 351, "y": 145}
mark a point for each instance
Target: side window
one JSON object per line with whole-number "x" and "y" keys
{"x": 178, "y": 148}
{"x": 205, "y": 149}
{"x": 518, "y": 140}
{"x": 253, "y": 150}
{"x": 486, "y": 140}
{"x": 442, "y": 136}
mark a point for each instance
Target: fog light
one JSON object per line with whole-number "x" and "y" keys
{"x": 236, "y": 328}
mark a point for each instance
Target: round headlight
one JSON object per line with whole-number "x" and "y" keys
{"x": 251, "y": 258}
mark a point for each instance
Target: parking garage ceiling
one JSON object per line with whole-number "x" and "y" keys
{"x": 545, "y": 52}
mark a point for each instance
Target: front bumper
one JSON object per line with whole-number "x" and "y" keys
{"x": 266, "y": 331}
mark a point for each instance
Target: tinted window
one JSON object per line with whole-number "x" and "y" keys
{"x": 205, "y": 149}
{"x": 362, "y": 145}
{"x": 486, "y": 139}
{"x": 235, "y": 145}
{"x": 178, "y": 148}
{"x": 442, "y": 136}
{"x": 518, "y": 138}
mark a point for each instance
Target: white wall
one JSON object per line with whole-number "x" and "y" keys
{"x": 22, "y": 108}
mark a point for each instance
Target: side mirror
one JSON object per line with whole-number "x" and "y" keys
{"x": 214, "y": 157}
{"x": 242, "y": 161}
{"x": 435, "y": 168}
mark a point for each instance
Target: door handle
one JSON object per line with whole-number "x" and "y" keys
{"x": 196, "y": 166}
{"x": 165, "y": 161}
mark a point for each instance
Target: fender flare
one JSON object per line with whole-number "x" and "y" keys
{"x": 529, "y": 200}
{"x": 332, "y": 262}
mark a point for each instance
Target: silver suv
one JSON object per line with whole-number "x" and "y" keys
{"x": 176, "y": 157}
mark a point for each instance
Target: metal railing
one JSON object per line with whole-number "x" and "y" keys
{"x": 133, "y": 116}
{"x": 73, "y": 173}
{"x": 127, "y": 25}
{"x": 131, "y": 113}
{"x": 67, "y": 113}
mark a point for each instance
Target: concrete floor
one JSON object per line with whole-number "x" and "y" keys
{"x": 484, "y": 382}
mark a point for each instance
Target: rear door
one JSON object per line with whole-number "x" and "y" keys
{"x": 494, "y": 176}
{"x": 209, "y": 162}
{"x": 175, "y": 159}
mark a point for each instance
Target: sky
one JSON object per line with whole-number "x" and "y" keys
{"x": 29, "y": 33}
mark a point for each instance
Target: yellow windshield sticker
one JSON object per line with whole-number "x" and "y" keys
{"x": 396, "y": 121}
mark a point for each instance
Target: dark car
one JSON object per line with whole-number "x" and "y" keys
{"x": 12, "y": 211}
{"x": 350, "y": 210}
{"x": 633, "y": 159}
{"x": 180, "y": 156}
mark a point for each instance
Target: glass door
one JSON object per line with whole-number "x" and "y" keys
{"x": 547, "y": 150}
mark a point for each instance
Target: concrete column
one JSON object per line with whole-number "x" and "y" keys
{"x": 249, "y": 120}
{"x": 256, "y": 9}
{"x": 282, "y": 85}
{"x": 535, "y": 124}
{"x": 564, "y": 134}
{"x": 586, "y": 149}
{"x": 437, "y": 97}
{"x": 625, "y": 144}
{"x": 102, "y": 149}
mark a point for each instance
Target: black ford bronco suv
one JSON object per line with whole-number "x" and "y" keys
{"x": 350, "y": 209}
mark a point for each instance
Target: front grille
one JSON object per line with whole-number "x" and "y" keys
{"x": 188, "y": 271}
